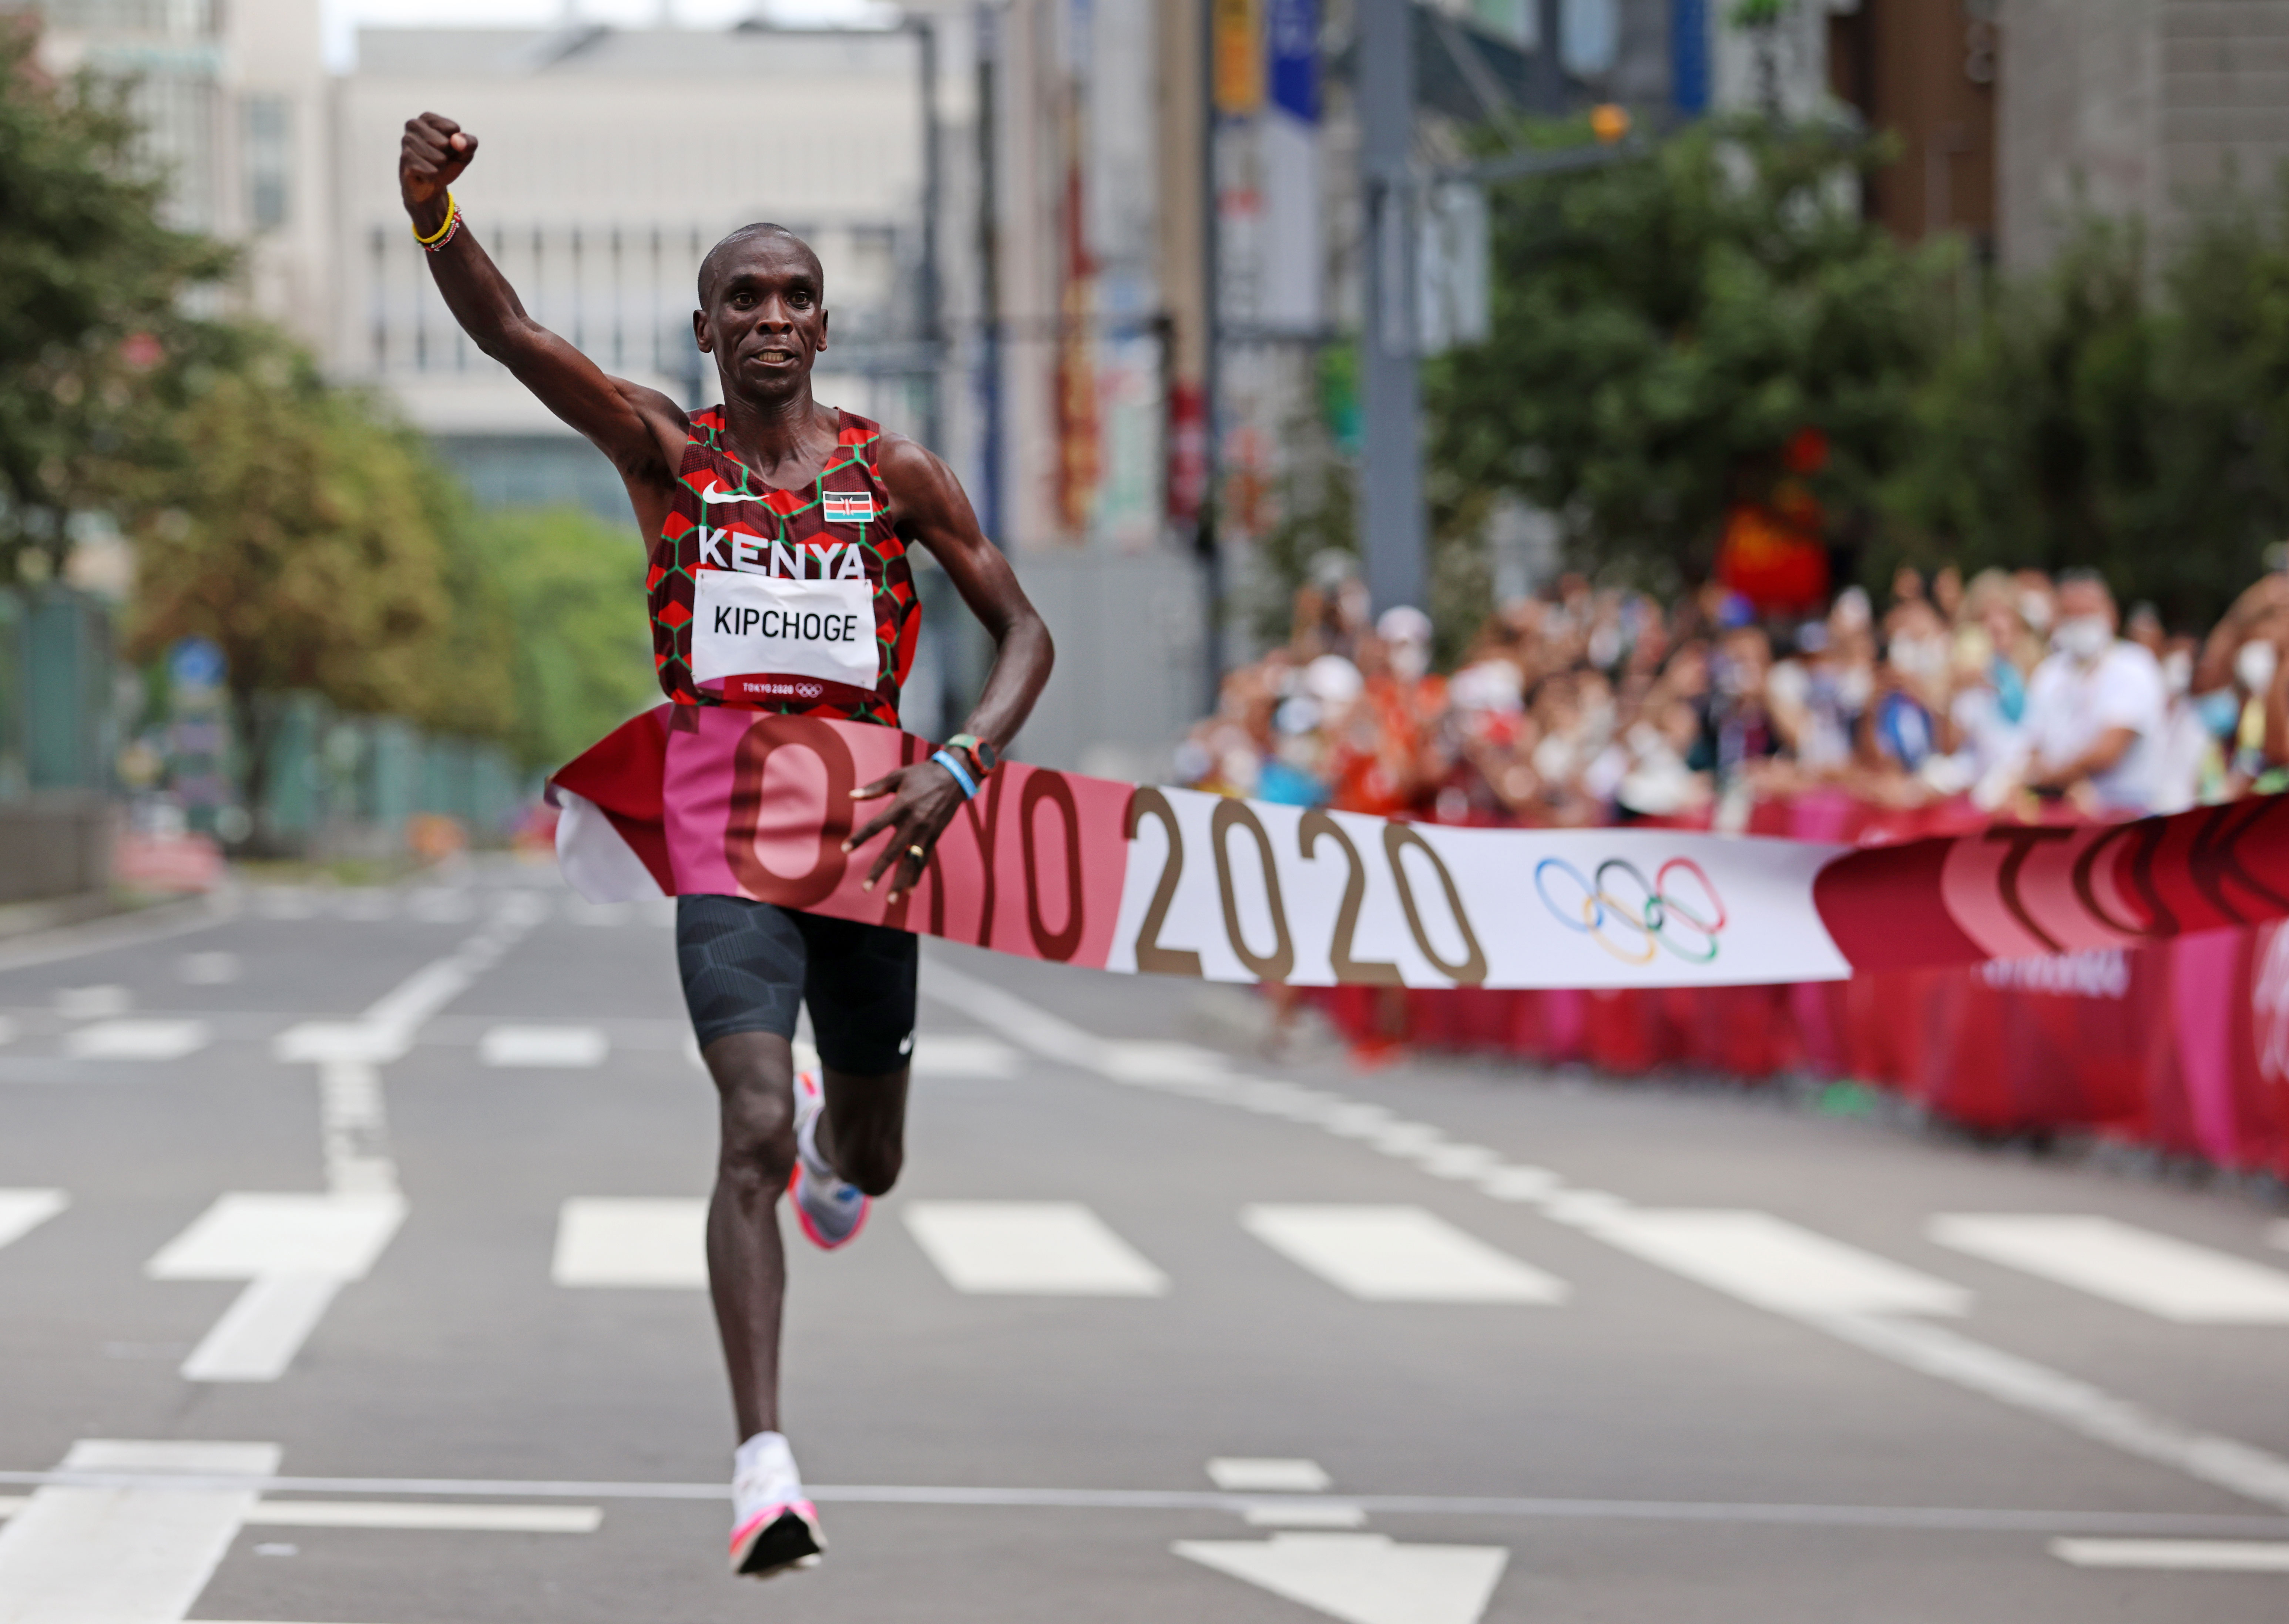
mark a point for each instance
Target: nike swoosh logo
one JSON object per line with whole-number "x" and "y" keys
{"x": 727, "y": 496}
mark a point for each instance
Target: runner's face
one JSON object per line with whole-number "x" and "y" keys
{"x": 766, "y": 317}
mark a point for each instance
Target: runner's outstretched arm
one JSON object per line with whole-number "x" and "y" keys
{"x": 931, "y": 511}
{"x": 640, "y": 429}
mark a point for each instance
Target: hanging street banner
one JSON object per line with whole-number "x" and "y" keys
{"x": 693, "y": 801}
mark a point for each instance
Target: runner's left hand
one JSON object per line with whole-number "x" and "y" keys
{"x": 924, "y": 800}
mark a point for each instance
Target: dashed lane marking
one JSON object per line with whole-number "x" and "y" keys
{"x": 144, "y": 1040}
{"x": 22, "y": 1211}
{"x": 1251, "y": 1474}
{"x": 1398, "y": 1254}
{"x": 2156, "y": 1274}
{"x": 1030, "y": 1248}
{"x": 562, "y": 1048}
{"x": 631, "y": 1243}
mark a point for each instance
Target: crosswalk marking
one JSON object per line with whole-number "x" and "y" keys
{"x": 2159, "y": 1275}
{"x": 295, "y": 1251}
{"x": 1398, "y": 1254}
{"x": 1262, "y": 1475}
{"x": 245, "y": 1236}
{"x": 567, "y": 1048}
{"x": 1773, "y": 1264}
{"x": 1030, "y": 1248}
{"x": 145, "y": 1040}
{"x": 126, "y": 1556}
{"x": 604, "y": 1241}
{"x": 2183, "y": 1556}
{"x": 22, "y": 1211}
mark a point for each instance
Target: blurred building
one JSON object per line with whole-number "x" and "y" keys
{"x": 1925, "y": 71}
{"x": 232, "y": 95}
{"x": 2131, "y": 106}
{"x": 610, "y": 161}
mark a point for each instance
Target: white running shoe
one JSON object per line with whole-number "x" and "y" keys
{"x": 831, "y": 1211}
{"x": 773, "y": 1527}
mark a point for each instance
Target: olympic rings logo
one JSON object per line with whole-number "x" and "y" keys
{"x": 1644, "y": 913}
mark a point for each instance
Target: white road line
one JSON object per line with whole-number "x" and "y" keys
{"x": 566, "y": 1048}
{"x": 1263, "y": 1474}
{"x": 416, "y": 1517}
{"x": 126, "y": 1556}
{"x": 244, "y": 1237}
{"x": 1304, "y": 1513}
{"x": 609, "y": 1242}
{"x": 1362, "y": 1578}
{"x": 1935, "y": 1519}
{"x": 2075, "y": 1405}
{"x": 1775, "y": 1264}
{"x": 1398, "y": 1254}
{"x": 1030, "y": 1248}
{"x": 962, "y": 1055}
{"x": 94, "y": 1003}
{"x": 2160, "y": 1274}
{"x": 137, "y": 1040}
{"x": 262, "y": 1330}
{"x": 2177, "y": 1556}
{"x": 411, "y": 1515}
{"x": 295, "y": 1251}
{"x": 22, "y": 1211}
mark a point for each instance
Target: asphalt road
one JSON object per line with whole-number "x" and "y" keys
{"x": 348, "y": 1273}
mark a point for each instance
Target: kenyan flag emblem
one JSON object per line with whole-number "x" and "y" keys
{"x": 848, "y": 506}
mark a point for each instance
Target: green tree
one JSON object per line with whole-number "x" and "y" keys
{"x": 298, "y": 528}
{"x": 2105, "y": 414}
{"x": 1663, "y": 326}
{"x": 572, "y": 587}
{"x": 92, "y": 316}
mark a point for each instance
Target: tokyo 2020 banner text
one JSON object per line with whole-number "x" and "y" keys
{"x": 705, "y": 800}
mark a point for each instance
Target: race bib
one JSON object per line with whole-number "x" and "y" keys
{"x": 746, "y": 626}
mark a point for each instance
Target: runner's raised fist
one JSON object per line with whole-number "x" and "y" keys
{"x": 431, "y": 157}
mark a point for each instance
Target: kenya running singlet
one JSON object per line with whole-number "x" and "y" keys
{"x": 798, "y": 601}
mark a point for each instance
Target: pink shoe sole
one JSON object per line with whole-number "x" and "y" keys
{"x": 777, "y": 1538}
{"x": 810, "y": 1230}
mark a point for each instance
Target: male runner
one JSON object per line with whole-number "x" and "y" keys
{"x": 777, "y": 530}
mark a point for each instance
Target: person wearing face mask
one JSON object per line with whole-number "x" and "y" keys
{"x": 2095, "y": 708}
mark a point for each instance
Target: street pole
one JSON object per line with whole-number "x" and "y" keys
{"x": 1391, "y": 456}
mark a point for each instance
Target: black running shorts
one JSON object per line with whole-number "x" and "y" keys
{"x": 747, "y": 966}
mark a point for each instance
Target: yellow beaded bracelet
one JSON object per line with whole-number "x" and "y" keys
{"x": 452, "y": 218}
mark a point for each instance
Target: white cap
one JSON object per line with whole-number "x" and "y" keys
{"x": 1332, "y": 680}
{"x": 1404, "y": 624}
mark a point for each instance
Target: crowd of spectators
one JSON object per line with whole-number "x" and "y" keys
{"x": 2014, "y": 691}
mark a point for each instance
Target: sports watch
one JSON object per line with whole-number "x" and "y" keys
{"x": 980, "y": 752}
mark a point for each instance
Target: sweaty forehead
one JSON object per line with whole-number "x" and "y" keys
{"x": 768, "y": 253}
